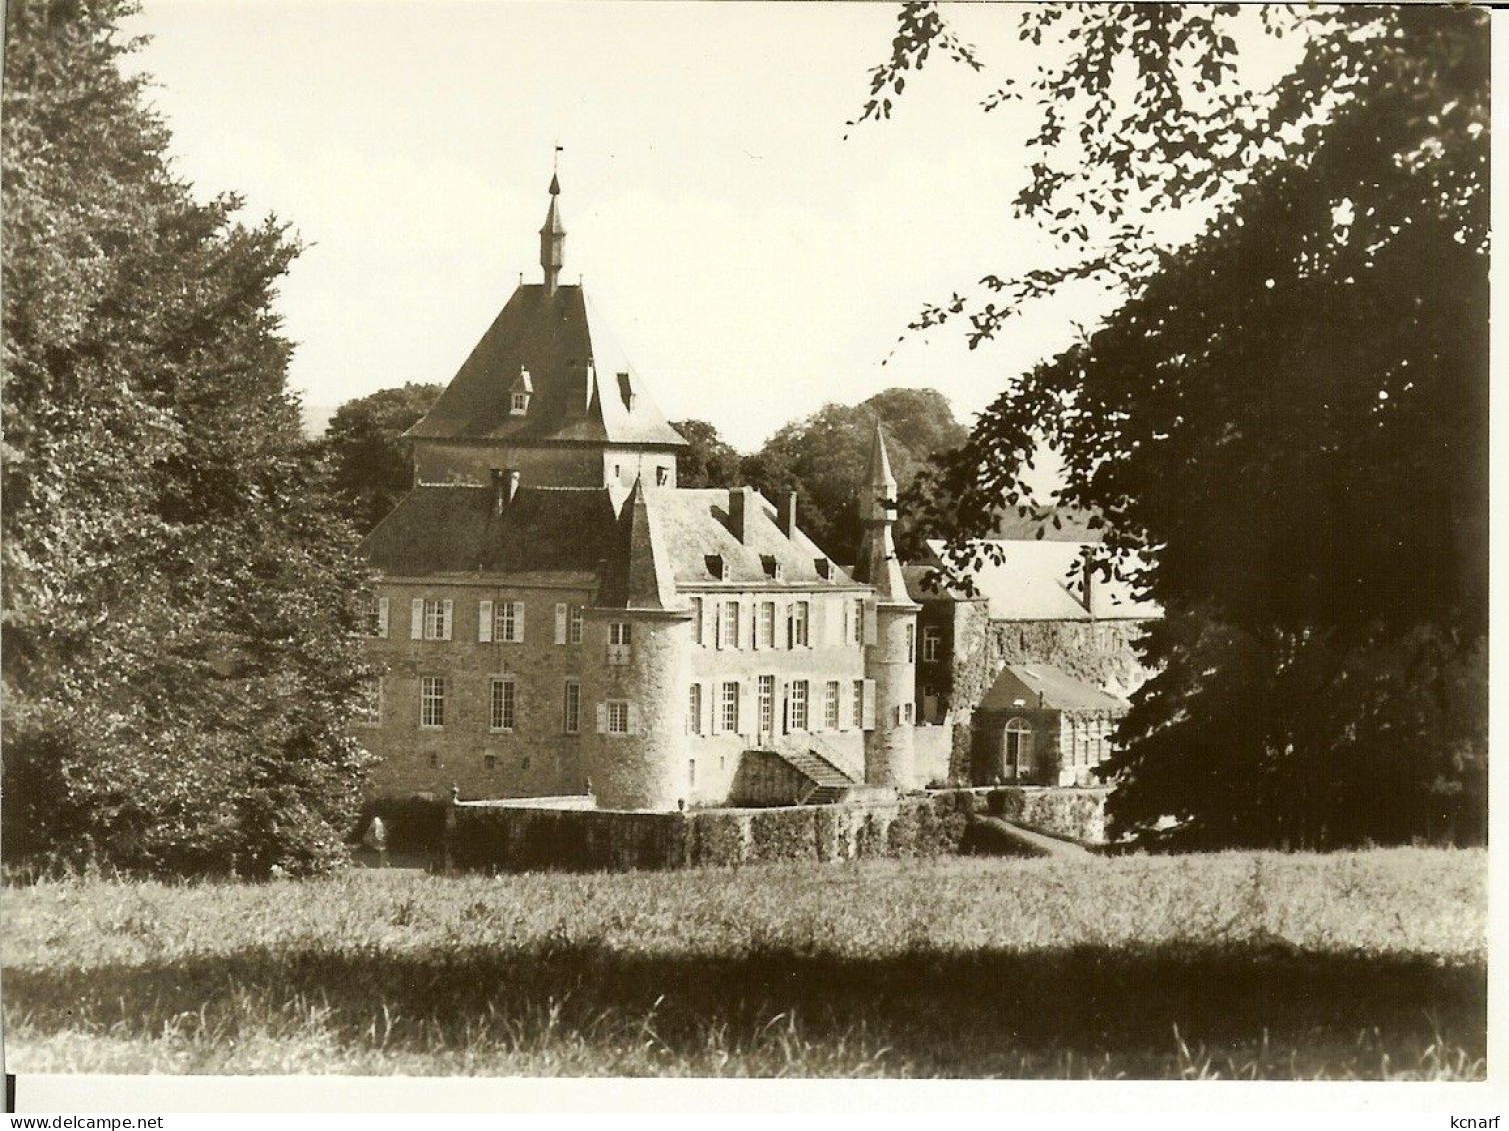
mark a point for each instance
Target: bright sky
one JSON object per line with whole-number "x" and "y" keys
{"x": 752, "y": 262}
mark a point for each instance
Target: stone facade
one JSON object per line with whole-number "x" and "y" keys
{"x": 459, "y": 461}
{"x": 536, "y": 755}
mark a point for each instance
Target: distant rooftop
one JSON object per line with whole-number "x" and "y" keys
{"x": 1036, "y": 580}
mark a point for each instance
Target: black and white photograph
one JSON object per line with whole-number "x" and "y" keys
{"x": 808, "y": 541}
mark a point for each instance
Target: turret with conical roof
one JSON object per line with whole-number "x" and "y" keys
{"x": 878, "y": 564}
{"x": 891, "y": 659}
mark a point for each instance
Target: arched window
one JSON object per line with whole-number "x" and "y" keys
{"x": 1018, "y": 750}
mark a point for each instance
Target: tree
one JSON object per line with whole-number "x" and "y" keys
{"x": 370, "y": 464}
{"x": 825, "y": 457}
{"x": 179, "y": 607}
{"x": 707, "y": 460}
{"x": 1290, "y": 410}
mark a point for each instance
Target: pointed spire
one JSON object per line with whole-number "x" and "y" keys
{"x": 553, "y": 239}
{"x": 877, "y": 499}
{"x": 878, "y": 564}
{"x": 638, "y": 579}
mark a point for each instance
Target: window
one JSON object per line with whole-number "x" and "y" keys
{"x": 694, "y": 710}
{"x": 728, "y": 624}
{"x": 859, "y": 704}
{"x": 369, "y": 711}
{"x": 571, "y": 709}
{"x": 662, "y": 476}
{"x": 830, "y": 705}
{"x": 799, "y": 704}
{"x": 907, "y": 713}
{"x": 731, "y": 708}
{"x": 767, "y": 704}
{"x": 859, "y": 620}
{"x": 434, "y": 761}
{"x": 1018, "y": 749}
{"x": 490, "y": 761}
{"x": 618, "y": 716}
{"x": 504, "y": 703}
{"x": 932, "y": 642}
{"x": 691, "y": 771}
{"x": 377, "y": 617}
{"x": 520, "y": 404}
{"x": 618, "y": 642}
{"x": 765, "y": 637}
{"x": 508, "y": 622}
{"x": 911, "y": 643}
{"x": 577, "y": 616}
{"x": 800, "y": 615}
{"x": 432, "y": 701}
{"x": 696, "y": 620}
{"x": 436, "y": 619}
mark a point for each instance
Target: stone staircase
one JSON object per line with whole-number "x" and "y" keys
{"x": 829, "y": 783}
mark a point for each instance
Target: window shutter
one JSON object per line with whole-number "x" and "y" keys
{"x": 382, "y": 617}
{"x": 754, "y": 625}
{"x": 706, "y": 608}
{"x": 560, "y": 622}
{"x": 790, "y": 626}
{"x": 715, "y": 696}
{"x": 845, "y": 704}
{"x": 518, "y": 622}
{"x": 747, "y": 721}
{"x": 834, "y": 633}
{"x": 416, "y": 619}
{"x": 602, "y": 718}
{"x": 872, "y": 623}
{"x": 785, "y": 693}
{"x": 633, "y": 717}
{"x": 867, "y": 718}
{"x": 484, "y": 622}
{"x": 445, "y": 627}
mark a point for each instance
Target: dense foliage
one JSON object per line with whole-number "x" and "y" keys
{"x": 1291, "y": 410}
{"x": 371, "y": 466}
{"x": 708, "y": 460}
{"x": 824, "y": 458}
{"x": 179, "y": 605}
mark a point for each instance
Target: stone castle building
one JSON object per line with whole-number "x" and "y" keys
{"x": 555, "y": 616}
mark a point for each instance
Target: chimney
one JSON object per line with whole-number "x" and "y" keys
{"x": 738, "y": 512}
{"x": 1087, "y": 569}
{"x": 505, "y": 487}
{"x": 788, "y": 516}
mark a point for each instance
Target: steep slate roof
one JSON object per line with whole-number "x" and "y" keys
{"x": 694, "y": 523}
{"x": 637, "y": 575}
{"x": 1032, "y": 583}
{"x": 1043, "y": 686}
{"x": 553, "y": 337}
{"x": 452, "y": 529}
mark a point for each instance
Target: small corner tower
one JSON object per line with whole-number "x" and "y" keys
{"x": 891, "y": 661}
{"x": 553, "y": 239}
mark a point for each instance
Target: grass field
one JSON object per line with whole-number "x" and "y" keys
{"x": 1365, "y": 965}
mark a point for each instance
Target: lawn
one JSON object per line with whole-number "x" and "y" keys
{"x": 1355, "y": 965}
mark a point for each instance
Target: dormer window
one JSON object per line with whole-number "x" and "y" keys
{"x": 824, "y": 568}
{"x": 717, "y": 568}
{"x": 626, "y": 391}
{"x": 772, "y": 567}
{"x": 523, "y": 387}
